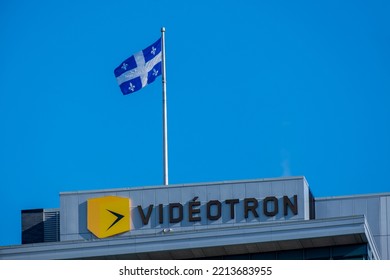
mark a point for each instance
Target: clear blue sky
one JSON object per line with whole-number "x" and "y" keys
{"x": 256, "y": 89}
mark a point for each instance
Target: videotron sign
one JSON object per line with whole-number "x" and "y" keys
{"x": 110, "y": 215}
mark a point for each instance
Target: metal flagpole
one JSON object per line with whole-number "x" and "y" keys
{"x": 164, "y": 109}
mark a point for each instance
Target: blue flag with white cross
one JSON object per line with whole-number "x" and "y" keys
{"x": 140, "y": 69}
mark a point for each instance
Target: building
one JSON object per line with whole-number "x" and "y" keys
{"x": 253, "y": 219}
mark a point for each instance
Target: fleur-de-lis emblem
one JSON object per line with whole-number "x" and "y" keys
{"x": 155, "y": 72}
{"x": 124, "y": 66}
{"x": 153, "y": 51}
{"x": 131, "y": 87}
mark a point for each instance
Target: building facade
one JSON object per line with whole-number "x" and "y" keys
{"x": 252, "y": 219}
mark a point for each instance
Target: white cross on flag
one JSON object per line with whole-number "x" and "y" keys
{"x": 140, "y": 69}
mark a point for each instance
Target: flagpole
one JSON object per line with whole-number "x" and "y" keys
{"x": 164, "y": 109}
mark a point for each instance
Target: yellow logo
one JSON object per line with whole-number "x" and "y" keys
{"x": 108, "y": 215}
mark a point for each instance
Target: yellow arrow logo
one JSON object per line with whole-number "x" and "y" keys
{"x": 108, "y": 215}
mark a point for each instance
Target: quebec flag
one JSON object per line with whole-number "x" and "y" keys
{"x": 139, "y": 69}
